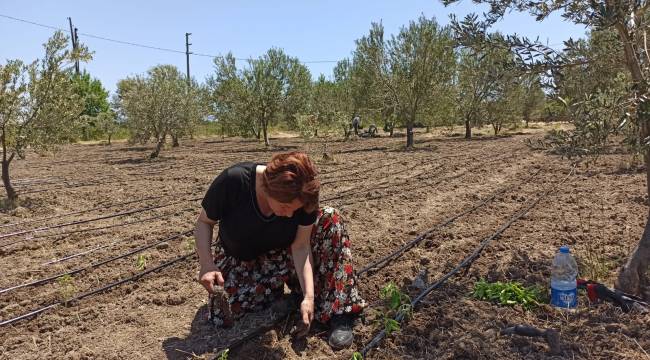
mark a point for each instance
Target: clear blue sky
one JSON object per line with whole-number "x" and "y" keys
{"x": 309, "y": 30}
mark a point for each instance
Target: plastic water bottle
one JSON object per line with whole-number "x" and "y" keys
{"x": 564, "y": 292}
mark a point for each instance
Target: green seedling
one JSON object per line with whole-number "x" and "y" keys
{"x": 357, "y": 356}
{"x": 224, "y": 355}
{"x": 391, "y": 325}
{"x": 396, "y": 303}
{"x": 509, "y": 293}
{"x": 190, "y": 244}
{"x": 67, "y": 289}
{"x": 141, "y": 262}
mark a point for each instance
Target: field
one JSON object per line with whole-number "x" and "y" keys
{"x": 92, "y": 203}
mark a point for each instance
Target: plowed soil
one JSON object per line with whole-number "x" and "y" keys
{"x": 123, "y": 201}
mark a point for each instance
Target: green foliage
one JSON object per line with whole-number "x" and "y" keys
{"x": 509, "y": 293}
{"x": 224, "y": 355}
{"x": 411, "y": 71}
{"x": 190, "y": 244}
{"x": 141, "y": 261}
{"x": 357, "y": 356}
{"x": 92, "y": 92}
{"x": 159, "y": 104}
{"x": 396, "y": 304}
{"x": 39, "y": 108}
{"x": 272, "y": 88}
{"x": 67, "y": 287}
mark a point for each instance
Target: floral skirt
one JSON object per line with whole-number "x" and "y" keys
{"x": 253, "y": 285}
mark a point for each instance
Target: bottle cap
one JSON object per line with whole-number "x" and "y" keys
{"x": 564, "y": 249}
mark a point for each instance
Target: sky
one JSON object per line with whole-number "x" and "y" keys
{"x": 319, "y": 33}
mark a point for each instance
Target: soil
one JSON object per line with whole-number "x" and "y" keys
{"x": 388, "y": 197}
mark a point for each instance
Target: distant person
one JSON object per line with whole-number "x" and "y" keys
{"x": 356, "y": 122}
{"x": 273, "y": 233}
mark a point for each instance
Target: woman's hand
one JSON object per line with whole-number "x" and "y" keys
{"x": 307, "y": 314}
{"x": 209, "y": 276}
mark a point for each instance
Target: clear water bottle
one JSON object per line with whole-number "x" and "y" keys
{"x": 564, "y": 292}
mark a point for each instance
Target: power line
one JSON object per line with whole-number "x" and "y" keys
{"x": 129, "y": 43}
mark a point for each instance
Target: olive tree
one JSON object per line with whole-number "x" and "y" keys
{"x": 158, "y": 105}
{"x": 412, "y": 67}
{"x": 39, "y": 108}
{"x": 270, "y": 89}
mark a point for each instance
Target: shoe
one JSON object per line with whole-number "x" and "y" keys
{"x": 342, "y": 335}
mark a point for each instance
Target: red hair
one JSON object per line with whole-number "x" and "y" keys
{"x": 290, "y": 176}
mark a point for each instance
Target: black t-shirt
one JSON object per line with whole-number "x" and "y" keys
{"x": 244, "y": 231}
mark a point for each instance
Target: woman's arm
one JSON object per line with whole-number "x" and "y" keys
{"x": 209, "y": 275}
{"x": 302, "y": 260}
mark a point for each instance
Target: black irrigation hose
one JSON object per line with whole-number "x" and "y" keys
{"x": 356, "y": 175}
{"x": 93, "y": 265}
{"x": 77, "y": 222}
{"x": 126, "y": 223}
{"x": 466, "y": 263}
{"x": 381, "y": 263}
{"x": 57, "y": 216}
{"x": 96, "y": 291}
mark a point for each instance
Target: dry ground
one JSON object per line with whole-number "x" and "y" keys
{"x": 388, "y": 196}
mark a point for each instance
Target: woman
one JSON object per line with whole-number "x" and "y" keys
{"x": 272, "y": 232}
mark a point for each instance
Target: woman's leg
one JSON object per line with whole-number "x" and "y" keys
{"x": 250, "y": 285}
{"x": 335, "y": 287}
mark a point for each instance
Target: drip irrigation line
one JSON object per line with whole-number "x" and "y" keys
{"x": 381, "y": 263}
{"x": 121, "y": 181}
{"x": 57, "y": 216}
{"x": 466, "y": 262}
{"x": 68, "y": 257}
{"x": 138, "y": 221}
{"x": 355, "y": 175}
{"x": 96, "y": 291}
{"x": 93, "y": 265}
{"x": 77, "y": 222}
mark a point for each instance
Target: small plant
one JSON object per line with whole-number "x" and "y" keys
{"x": 141, "y": 262}
{"x": 397, "y": 303}
{"x": 357, "y": 356}
{"x": 67, "y": 288}
{"x": 391, "y": 325}
{"x": 510, "y": 293}
{"x": 224, "y": 355}
{"x": 190, "y": 244}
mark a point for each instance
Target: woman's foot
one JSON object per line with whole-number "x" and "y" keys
{"x": 342, "y": 334}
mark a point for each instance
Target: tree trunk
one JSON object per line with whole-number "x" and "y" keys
{"x": 392, "y": 129}
{"x": 468, "y": 130}
{"x": 633, "y": 277}
{"x": 175, "y": 141}
{"x": 266, "y": 133}
{"x": 409, "y": 135}
{"x": 159, "y": 146}
{"x": 316, "y": 133}
{"x": 12, "y": 197}
{"x": 526, "y": 118}
{"x": 109, "y": 139}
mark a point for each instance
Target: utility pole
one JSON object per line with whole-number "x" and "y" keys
{"x": 75, "y": 43}
{"x": 187, "y": 55}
